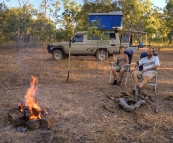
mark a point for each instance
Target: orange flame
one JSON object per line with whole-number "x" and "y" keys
{"x": 30, "y": 102}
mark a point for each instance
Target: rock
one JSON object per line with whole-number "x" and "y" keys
{"x": 157, "y": 110}
{"x": 16, "y": 117}
{"x": 47, "y": 121}
{"x": 33, "y": 124}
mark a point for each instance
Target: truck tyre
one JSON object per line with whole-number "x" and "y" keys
{"x": 101, "y": 55}
{"x": 57, "y": 55}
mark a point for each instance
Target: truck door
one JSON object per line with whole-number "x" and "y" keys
{"x": 91, "y": 44}
{"x": 77, "y": 45}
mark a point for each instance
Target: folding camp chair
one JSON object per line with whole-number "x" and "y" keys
{"x": 153, "y": 81}
{"x": 128, "y": 73}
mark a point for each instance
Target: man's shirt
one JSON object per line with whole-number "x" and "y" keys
{"x": 148, "y": 63}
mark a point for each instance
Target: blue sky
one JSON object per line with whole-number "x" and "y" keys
{"x": 36, "y": 3}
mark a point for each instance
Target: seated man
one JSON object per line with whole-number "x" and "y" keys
{"x": 121, "y": 60}
{"x": 149, "y": 63}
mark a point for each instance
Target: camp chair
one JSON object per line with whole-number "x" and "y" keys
{"x": 153, "y": 81}
{"x": 128, "y": 73}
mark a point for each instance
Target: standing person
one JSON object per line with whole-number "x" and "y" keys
{"x": 149, "y": 63}
{"x": 121, "y": 61}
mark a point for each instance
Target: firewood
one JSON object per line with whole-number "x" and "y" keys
{"x": 35, "y": 111}
{"x": 27, "y": 113}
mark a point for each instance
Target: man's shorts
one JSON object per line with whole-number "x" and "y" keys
{"x": 141, "y": 74}
{"x": 118, "y": 68}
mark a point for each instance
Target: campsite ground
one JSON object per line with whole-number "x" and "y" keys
{"x": 78, "y": 103}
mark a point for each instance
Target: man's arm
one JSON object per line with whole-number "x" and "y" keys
{"x": 152, "y": 68}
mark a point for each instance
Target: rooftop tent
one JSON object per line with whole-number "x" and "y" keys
{"x": 107, "y": 21}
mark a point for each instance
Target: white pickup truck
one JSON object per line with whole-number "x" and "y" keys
{"x": 83, "y": 43}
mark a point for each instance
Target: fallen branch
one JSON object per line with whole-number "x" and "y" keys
{"x": 104, "y": 106}
{"x": 124, "y": 104}
{"x": 140, "y": 96}
{"x": 169, "y": 97}
{"x": 113, "y": 99}
{"x": 143, "y": 98}
{"x": 127, "y": 94}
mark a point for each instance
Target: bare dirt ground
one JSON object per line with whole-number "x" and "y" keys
{"x": 78, "y": 103}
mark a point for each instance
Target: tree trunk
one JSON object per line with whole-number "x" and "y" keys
{"x": 171, "y": 36}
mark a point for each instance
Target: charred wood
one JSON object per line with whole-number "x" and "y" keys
{"x": 26, "y": 112}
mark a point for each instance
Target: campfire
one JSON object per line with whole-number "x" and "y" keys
{"x": 28, "y": 105}
{"x": 29, "y": 113}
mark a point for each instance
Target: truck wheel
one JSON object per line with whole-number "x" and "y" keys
{"x": 57, "y": 55}
{"x": 101, "y": 55}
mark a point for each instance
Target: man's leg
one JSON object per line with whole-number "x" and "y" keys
{"x": 135, "y": 78}
{"x": 144, "y": 81}
{"x": 146, "y": 77}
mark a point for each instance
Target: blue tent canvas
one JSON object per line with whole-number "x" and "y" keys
{"x": 106, "y": 21}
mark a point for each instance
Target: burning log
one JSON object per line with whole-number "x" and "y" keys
{"x": 29, "y": 106}
{"x": 29, "y": 113}
{"x": 26, "y": 112}
{"x": 36, "y": 112}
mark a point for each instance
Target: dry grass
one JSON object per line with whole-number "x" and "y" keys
{"x": 79, "y": 101}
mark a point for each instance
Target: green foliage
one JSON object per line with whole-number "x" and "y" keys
{"x": 48, "y": 24}
{"x": 95, "y": 34}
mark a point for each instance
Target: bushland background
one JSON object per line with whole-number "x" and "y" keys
{"x": 81, "y": 118}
